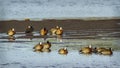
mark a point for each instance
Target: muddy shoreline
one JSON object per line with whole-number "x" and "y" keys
{"x": 67, "y": 24}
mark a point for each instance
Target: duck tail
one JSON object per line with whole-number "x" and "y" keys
{"x": 80, "y": 51}
{"x": 33, "y": 47}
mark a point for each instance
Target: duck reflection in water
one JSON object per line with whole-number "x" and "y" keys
{"x": 43, "y": 50}
{"x": 43, "y": 33}
{"x": 46, "y": 50}
{"x": 11, "y": 38}
{"x": 59, "y": 38}
{"x": 29, "y": 35}
{"x": 59, "y": 33}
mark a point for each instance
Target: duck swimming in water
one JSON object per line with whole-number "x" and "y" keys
{"x": 43, "y": 32}
{"x": 53, "y": 30}
{"x": 29, "y": 29}
{"x": 107, "y": 52}
{"x": 86, "y": 50}
{"x": 11, "y": 32}
{"x": 63, "y": 51}
{"x": 98, "y": 50}
{"x": 59, "y": 31}
{"x": 38, "y": 47}
{"x": 46, "y": 45}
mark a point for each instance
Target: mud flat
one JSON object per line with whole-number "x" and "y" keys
{"x": 67, "y": 24}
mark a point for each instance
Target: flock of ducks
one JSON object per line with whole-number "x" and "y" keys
{"x": 99, "y": 50}
{"x": 54, "y": 31}
{"x": 45, "y": 46}
{"x": 64, "y": 51}
{"x": 42, "y": 47}
{"x": 58, "y": 31}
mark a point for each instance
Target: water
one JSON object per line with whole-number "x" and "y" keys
{"x": 39, "y": 9}
{"x": 20, "y": 53}
{"x": 28, "y": 59}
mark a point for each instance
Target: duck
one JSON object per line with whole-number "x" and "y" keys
{"x": 98, "y": 50}
{"x": 29, "y": 29}
{"x": 38, "y": 47}
{"x": 11, "y": 32}
{"x": 59, "y": 31}
{"x": 27, "y": 19}
{"x": 43, "y": 32}
{"x": 53, "y": 30}
{"x": 46, "y": 45}
{"x": 63, "y": 51}
{"x": 57, "y": 27}
{"x": 107, "y": 52}
{"x": 86, "y": 50}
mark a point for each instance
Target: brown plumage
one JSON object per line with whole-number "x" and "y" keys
{"x": 46, "y": 45}
{"x": 106, "y": 52}
{"x": 29, "y": 29}
{"x": 38, "y": 47}
{"x": 11, "y": 32}
{"x": 43, "y": 32}
{"x": 100, "y": 49}
{"x": 59, "y": 31}
{"x": 53, "y": 30}
{"x": 63, "y": 51}
{"x": 86, "y": 50}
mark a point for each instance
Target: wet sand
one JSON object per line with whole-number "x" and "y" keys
{"x": 67, "y": 24}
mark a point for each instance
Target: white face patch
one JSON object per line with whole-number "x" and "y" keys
{"x": 13, "y": 29}
{"x": 40, "y": 42}
{"x": 90, "y": 46}
{"x": 29, "y": 26}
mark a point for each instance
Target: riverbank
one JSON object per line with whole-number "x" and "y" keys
{"x": 67, "y": 24}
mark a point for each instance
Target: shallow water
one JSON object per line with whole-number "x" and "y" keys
{"x": 20, "y": 53}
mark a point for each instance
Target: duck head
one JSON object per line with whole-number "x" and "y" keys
{"x": 57, "y": 26}
{"x": 13, "y": 29}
